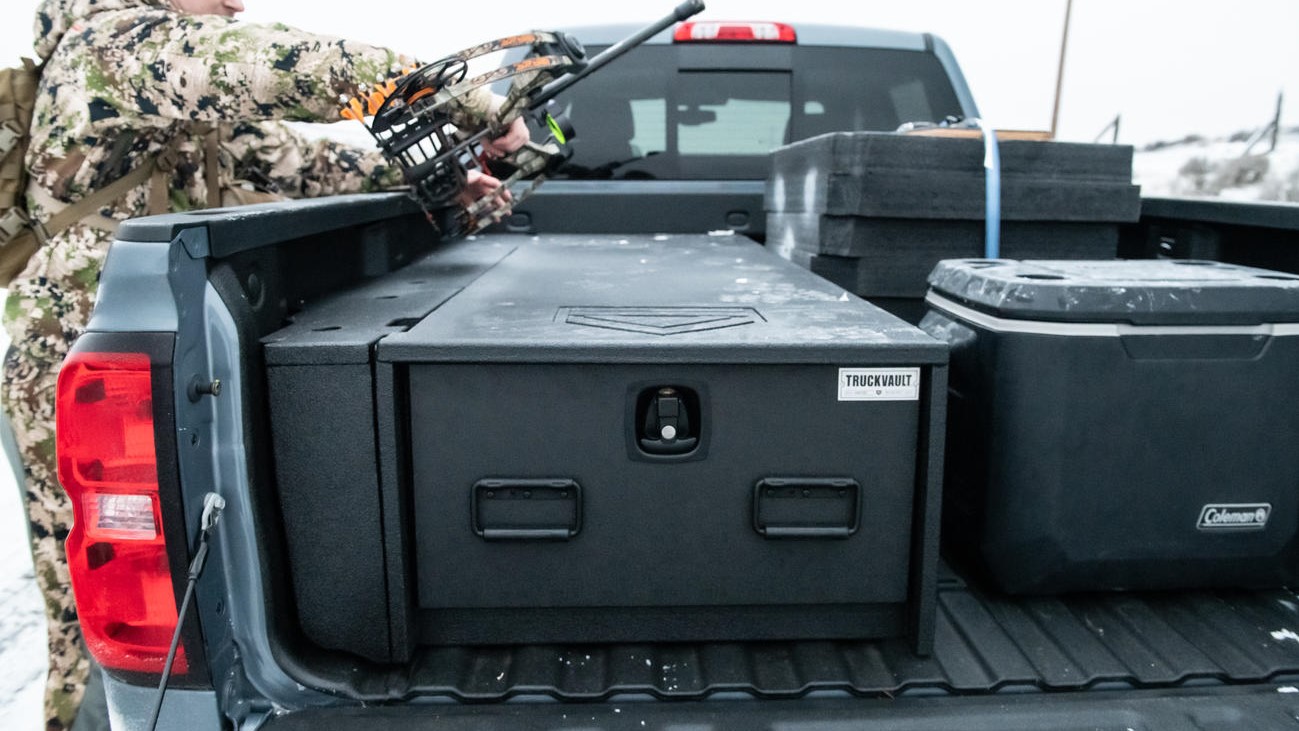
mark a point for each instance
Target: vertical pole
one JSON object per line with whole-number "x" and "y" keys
{"x": 1276, "y": 122}
{"x": 1059, "y": 76}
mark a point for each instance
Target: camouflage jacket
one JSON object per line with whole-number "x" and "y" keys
{"x": 126, "y": 79}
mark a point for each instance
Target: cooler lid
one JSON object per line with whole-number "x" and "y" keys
{"x": 1136, "y": 291}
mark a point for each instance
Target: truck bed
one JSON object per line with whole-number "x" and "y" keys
{"x": 1171, "y": 660}
{"x": 1146, "y": 660}
{"x": 985, "y": 644}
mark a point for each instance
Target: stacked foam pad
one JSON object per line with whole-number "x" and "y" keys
{"x": 874, "y": 212}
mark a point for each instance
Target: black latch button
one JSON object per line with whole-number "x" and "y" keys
{"x": 668, "y": 421}
{"x": 527, "y": 509}
{"x": 806, "y": 507}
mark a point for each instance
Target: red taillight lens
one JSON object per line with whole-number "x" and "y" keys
{"x": 117, "y": 555}
{"x": 745, "y": 32}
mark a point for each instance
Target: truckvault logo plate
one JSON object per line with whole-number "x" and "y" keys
{"x": 879, "y": 384}
{"x": 1234, "y": 516}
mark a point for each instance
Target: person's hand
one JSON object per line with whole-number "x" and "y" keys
{"x": 514, "y": 137}
{"x": 479, "y": 185}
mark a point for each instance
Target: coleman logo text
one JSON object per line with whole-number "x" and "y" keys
{"x": 1234, "y": 516}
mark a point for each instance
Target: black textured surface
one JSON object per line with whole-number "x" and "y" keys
{"x": 1088, "y": 457}
{"x": 893, "y": 258}
{"x": 563, "y": 206}
{"x": 655, "y": 299}
{"x": 1142, "y": 292}
{"x": 322, "y": 415}
{"x": 985, "y": 643}
{"x": 923, "y": 242}
{"x": 534, "y": 371}
{"x": 341, "y": 328}
{"x": 243, "y": 227}
{"x": 654, "y": 533}
{"x": 716, "y": 314}
{"x": 322, "y": 424}
{"x": 908, "y": 176}
{"x": 1262, "y": 214}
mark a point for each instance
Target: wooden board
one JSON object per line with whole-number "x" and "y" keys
{"x": 1002, "y": 134}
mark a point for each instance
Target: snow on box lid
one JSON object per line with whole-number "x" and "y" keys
{"x": 1139, "y": 292}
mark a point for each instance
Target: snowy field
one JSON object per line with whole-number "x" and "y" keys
{"x": 1191, "y": 168}
{"x": 1221, "y": 169}
{"x": 22, "y": 623}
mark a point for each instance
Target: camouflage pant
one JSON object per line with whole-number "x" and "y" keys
{"x": 47, "y": 308}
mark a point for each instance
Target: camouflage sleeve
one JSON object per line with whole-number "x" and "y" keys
{"x": 209, "y": 68}
{"x": 301, "y": 168}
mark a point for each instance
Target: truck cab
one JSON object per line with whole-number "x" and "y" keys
{"x": 685, "y": 122}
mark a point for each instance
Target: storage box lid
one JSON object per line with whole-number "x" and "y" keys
{"x": 887, "y": 175}
{"x": 344, "y": 327}
{"x": 1140, "y": 292}
{"x": 655, "y": 299}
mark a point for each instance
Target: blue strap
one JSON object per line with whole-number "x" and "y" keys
{"x": 992, "y": 206}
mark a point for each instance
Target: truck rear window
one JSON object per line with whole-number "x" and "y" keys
{"x": 647, "y": 117}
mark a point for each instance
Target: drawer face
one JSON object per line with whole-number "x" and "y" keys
{"x": 531, "y": 487}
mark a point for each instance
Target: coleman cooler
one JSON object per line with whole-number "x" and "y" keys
{"x": 1120, "y": 424}
{"x": 639, "y": 439}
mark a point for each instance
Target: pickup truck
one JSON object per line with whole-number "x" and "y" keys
{"x": 296, "y": 625}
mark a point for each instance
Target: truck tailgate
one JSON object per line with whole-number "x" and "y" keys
{"x": 1266, "y": 707}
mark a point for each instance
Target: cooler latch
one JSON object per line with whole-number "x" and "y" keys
{"x": 806, "y": 507}
{"x": 527, "y": 509}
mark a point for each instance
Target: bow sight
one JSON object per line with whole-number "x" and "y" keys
{"x": 431, "y": 123}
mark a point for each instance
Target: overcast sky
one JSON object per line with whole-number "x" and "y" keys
{"x": 1170, "y": 68}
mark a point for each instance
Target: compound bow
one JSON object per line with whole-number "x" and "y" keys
{"x": 422, "y": 125}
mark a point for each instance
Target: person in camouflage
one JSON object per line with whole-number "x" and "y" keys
{"x": 127, "y": 83}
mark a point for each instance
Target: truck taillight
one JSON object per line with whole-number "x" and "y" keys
{"x": 739, "y": 31}
{"x": 117, "y": 552}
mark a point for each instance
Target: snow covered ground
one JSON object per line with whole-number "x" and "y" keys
{"x": 1196, "y": 167}
{"x": 1221, "y": 168}
{"x": 22, "y": 622}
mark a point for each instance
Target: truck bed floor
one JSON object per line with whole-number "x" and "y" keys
{"x": 985, "y": 644}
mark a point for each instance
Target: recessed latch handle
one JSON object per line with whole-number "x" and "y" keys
{"x": 668, "y": 427}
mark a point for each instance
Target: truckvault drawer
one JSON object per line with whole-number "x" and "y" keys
{"x": 640, "y": 439}
{"x": 658, "y": 439}
{"x": 1121, "y": 424}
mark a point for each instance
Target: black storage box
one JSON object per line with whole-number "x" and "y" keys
{"x": 643, "y": 439}
{"x": 874, "y": 212}
{"x": 1120, "y": 424}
